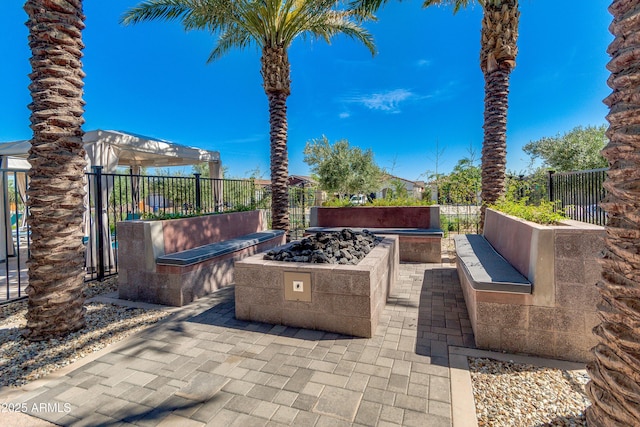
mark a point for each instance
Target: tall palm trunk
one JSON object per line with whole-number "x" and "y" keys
{"x": 277, "y": 86}
{"x": 56, "y": 190}
{"x": 614, "y": 388}
{"x": 497, "y": 58}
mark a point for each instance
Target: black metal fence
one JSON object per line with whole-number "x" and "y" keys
{"x": 460, "y": 219}
{"x": 579, "y": 194}
{"x": 120, "y": 197}
{"x": 114, "y": 197}
{"x": 15, "y": 249}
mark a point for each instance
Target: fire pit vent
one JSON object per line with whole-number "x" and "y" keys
{"x": 343, "y": 247}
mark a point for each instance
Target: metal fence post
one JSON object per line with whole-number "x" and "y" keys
{"x": 304, "y": 210}
{"x": 253, "y": 193}
{"x": 551, "y": 172}
{"x": 99, "y": 223}
{"x": 198, "y": 193}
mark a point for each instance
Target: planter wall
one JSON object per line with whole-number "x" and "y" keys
{"x": 427, "y": 217}
{"x": 417, "y": 226}
{"x": 140, "y": 243}
{"x": 556, "y": 319}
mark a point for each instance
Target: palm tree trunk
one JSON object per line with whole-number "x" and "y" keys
{"x": 56, "y": 188}
{"x": 614, "y": 388}
{"x": 498, "y": 53}
{"x": 279, "y": 161}
{"x": 277, "y": 86}
{"x": 494, "y": 146}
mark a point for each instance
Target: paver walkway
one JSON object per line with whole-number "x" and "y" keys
{"x": 204, "y": 367}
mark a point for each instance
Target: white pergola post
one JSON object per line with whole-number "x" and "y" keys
{"x": 215, "y": 173}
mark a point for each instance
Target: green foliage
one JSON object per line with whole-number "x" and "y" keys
{"x": 337, "y": 202}
{"x": 397, "y": 189}
{"x": 243, "y": 24}
{"x": 341, "y": 168}
{"x": 150, "y": 216}
{"x": 459, "y": 223}
{"x": 400, "y": 201}
{"x": 544, "y": 213}
{"x": 406, "y": 201}
{"x": 578, "y": 149}
{"x": 462, "y": 185}
{"x": 517, "y": 202}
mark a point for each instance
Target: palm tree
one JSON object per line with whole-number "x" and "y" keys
{"x": 614, "y": 388}
{"x": 498, "y": 51}
{"x": 272, "y": 25}
{"x": 56, "y": 187}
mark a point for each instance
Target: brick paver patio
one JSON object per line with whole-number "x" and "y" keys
{"x": 204, "y": 367}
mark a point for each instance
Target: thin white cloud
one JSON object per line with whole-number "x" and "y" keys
{"x": 423, "y": 63}
{"x": 388, "y": 101}
{"x": 344, "y": 115}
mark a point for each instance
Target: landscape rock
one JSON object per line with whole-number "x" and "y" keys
{"x": 343, "y": 247}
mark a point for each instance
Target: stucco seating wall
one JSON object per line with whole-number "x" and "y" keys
{"x": 418, "y": 227}
{"x": 531, "y": 288}
{"x": 176, "y": 261}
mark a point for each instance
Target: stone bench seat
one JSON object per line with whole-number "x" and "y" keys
{"x": 485, "y": 269}
{"x": 415, "y": 244}
{"x": 202, "y": 253}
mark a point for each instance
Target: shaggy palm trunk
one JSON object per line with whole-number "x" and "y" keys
{"x": 494, "y": 147}
{"x": 614, "y": 388}
{"x": 277, "y": 86}
{"x": 56, "y": 187}
{"x": 497, "y": 58}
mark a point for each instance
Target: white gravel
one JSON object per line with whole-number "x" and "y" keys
{"x": 519, "y": 395}
{"x": 22, "y": 361}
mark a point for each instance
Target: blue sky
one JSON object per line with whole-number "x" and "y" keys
{"x": 424, "y": 88}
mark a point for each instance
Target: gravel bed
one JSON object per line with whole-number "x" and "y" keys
{"x": 22, "y": 361}
{"x": 513, "y": 395}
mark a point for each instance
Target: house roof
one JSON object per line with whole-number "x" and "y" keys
{"x": 415, "y": 183}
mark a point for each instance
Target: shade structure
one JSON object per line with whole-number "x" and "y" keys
{"x": 129, "y": 149}
{"x": 109, "y": 149}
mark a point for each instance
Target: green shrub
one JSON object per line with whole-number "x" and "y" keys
{"x": 337, "y": 203}
{"x": 150, "y": 216}
{"x": 407, "y": 201}
{"x": 543, "y": 213}
{"x": 403, "y": 201}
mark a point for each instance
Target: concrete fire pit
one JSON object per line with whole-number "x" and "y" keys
{"x": 346, "y": 299}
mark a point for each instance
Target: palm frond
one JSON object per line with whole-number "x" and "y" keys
{"x": 366, "y": 8}
{"x": 232, "y": 37}
{"x": 239, "y": 23}
{"x": 457, "y": 4}
{"x": 167, "y": 10}
{"x": 339, "y": 23}
{"x": 193, "y": 14}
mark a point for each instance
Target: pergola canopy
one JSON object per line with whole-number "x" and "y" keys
{"x": 109, "y": 149}
{"x": 126, "y": 149}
